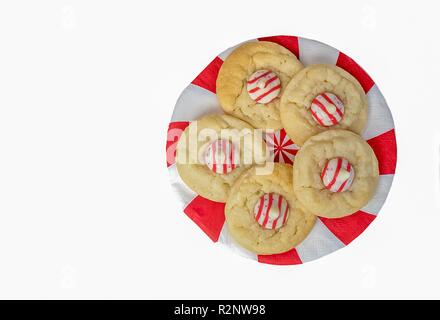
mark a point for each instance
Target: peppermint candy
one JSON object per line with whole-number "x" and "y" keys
{"x": 271, "y": 211}
{"x": 281, "y": 148}
{"x": 337, "y": 175}
{"x": 263, "y": 86}
{"x": 220, "y": 156}
{"x": 327, "y": 109}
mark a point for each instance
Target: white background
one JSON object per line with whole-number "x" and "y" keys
{"x": 87, "y": 89}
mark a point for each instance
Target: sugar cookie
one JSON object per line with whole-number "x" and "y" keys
{"x": 263, "y": 214}
{"x": 252, "y": 79}
{"x": 335, "y": 173}
{"x": 322, "y": 97}
{"x": 213, "y": 151}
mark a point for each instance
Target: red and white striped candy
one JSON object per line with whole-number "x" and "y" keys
{"x": 263, "y": 86}
{"x": 220, "y": 156}
{"x": 337, "y": 175}
{"x": 327, "y": 109}
{"x": 271, "y": 211}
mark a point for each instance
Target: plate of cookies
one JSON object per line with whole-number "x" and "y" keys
{"x": 283, "y": 149}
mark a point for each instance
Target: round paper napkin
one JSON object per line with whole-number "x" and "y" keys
{"x": 327, "y": 235}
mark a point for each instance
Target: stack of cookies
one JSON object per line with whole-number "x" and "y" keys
{"x": 271, "y": 207}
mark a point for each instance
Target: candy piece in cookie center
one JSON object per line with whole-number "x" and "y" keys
{"x": 337, "y": 175}
{"x": 263, "y": 86}
{"x": 221, "y": 157}
{"x": 327, "y": 109}
{"x": 271, "y": 211}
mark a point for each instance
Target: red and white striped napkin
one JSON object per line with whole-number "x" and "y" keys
{"x": 327, "y": 235}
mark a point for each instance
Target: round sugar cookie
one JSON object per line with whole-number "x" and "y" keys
{"x": 262, "y": 212}
{"x": 322, "y": 97}
{"x": 335, "y": 173}
{"x": 214, "y": 151}
{"x": 252, "y": 79}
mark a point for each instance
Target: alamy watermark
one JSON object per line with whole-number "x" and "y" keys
{"x": 230, "y": 146}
